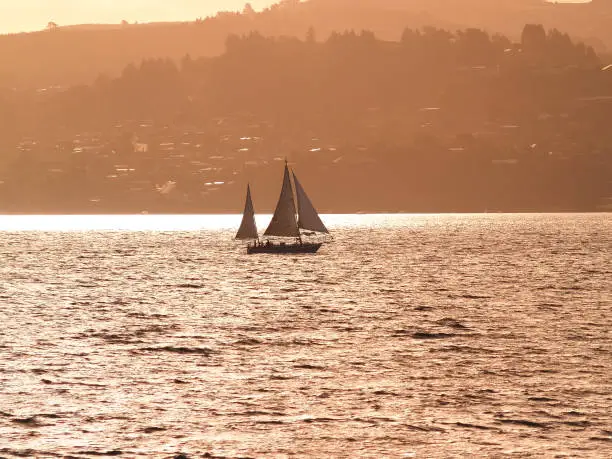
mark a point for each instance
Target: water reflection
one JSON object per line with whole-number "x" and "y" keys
{"x": 461, "y": 334}
{"x": 180, "y": 222}
{"x": 224, "y": 222}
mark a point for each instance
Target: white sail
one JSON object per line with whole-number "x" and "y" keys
{"x": 308, "y": 216}
{"x": 248, "y": 228}
{"x": 283, "y": 221}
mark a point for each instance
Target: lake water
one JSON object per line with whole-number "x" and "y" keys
{"x": 407, "y": 336}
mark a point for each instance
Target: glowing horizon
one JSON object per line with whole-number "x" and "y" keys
{"x": 34, "y": 15}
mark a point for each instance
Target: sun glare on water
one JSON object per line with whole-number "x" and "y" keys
{"x": 52, "y": 223}
{"x": 117, "y": 222}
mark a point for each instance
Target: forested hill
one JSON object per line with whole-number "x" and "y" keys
{"x": 437, "y": 121}
{"x": 75, "y": 55}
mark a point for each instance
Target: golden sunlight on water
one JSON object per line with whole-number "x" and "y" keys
{"x": 406, "y": 336}
{"x": 177, "y": 222}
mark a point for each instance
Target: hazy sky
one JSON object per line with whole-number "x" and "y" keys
{"x": 28, "y": 15}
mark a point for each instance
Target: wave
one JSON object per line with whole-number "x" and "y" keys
{"x": 180, "y": 350}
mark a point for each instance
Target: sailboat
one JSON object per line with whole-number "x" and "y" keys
{"x": 287, "y": 221}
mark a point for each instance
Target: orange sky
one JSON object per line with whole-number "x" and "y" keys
{"x": 29, "y": 15}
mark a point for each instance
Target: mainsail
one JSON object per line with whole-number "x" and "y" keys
{"x": 283, "y": 221}
{"x": 308, "y": 217}
{"x": 248, "y": 228}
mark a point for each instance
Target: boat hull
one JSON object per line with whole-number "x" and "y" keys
{"x": 306, "y": 247}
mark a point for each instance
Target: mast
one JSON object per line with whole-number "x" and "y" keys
{"x": 248, "y": 227}
{"x": 284, "y": 222}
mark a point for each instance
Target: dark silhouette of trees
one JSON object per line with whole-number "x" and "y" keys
{"x": 554, "y": 49}
{"x": 349, "y": 72}
{"x": 533, "y": 39}
{"x": 474, "y": 48}
{"x": 311, "y": 35}
{"x": 85, "y": 51}
{"x": 248, "y": 10}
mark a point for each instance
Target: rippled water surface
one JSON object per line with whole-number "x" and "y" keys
{"x": 407, "y": 336}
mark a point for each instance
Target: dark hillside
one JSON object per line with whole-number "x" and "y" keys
{"x": 74, "y": 55}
